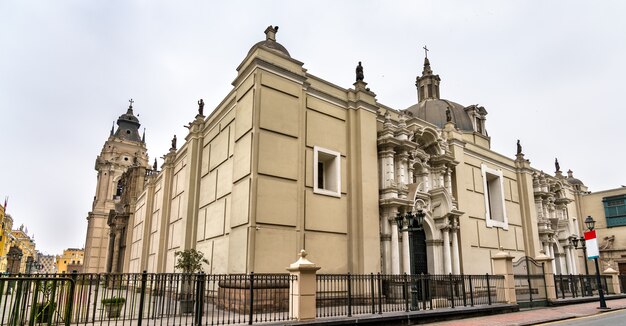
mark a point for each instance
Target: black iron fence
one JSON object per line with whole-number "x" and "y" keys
{"x": 144, "y": 299}
{"x": 199, "y": 299}
{"x": 351, "y": 294}
{"x": 574, "y": 286}
{"x": 622, "y": 283}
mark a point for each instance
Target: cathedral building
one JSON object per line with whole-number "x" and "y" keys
{"x": 124, "y": 149}
{"x": 290, "y": 161}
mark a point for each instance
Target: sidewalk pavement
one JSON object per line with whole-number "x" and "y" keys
{"x": 538, "y": 315}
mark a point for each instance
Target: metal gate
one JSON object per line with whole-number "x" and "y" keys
{"x": 530, "y": 283}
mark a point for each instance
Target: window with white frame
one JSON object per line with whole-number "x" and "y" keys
{"x": 326, "y": 172}
{"x": 495, "y": 210}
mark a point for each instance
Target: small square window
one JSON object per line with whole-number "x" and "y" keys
{"x": 326, "y": 172}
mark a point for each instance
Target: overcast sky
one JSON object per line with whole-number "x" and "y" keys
{"x": 550, "y": 73}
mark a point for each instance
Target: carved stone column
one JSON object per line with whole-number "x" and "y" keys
{"x": 572, "y": 254}
{"x": 411, "y": 170}
{"x": 447, "y": 261}
{"x": 385, "y": 237}
{"x": 456, "y": 264}
{"x": 406, "y": 259}
{"x": 395, "y": 246}
{"x": 568, "y": 260}
{"x": 551, "y": 255}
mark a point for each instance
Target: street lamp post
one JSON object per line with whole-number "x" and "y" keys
{"x": 412, "y": 224}
{"x": 574, "y": 240}
{"x": 590, "y": 223}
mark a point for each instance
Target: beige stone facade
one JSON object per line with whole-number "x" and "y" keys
{"x": 289, "y": 161}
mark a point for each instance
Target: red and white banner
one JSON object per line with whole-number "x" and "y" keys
{"x": 592, "y": 244}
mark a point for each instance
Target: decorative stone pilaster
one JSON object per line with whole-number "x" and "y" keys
{"x": 549, "y": 275}
{"x": 503, "y": 265}
{"x": 303, "y": 289}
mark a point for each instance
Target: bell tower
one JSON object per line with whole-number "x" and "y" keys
{"x": 428, "y": 83}
{"x": 124, "y": 148}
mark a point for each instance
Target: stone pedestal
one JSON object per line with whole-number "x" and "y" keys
{"x": 613, "y": 285}
{"x": 303, "y": 289}
{"x": 503, "y": 265}
{"x": 549, "y": 275}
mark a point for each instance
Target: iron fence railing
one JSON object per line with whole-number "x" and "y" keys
{"x": 574, "y": 286}
{"x": 28, "y": 300}
{"x": 622, "y": 283}
{"x": 354, "y": 294}
{"x": 148, "y": 299}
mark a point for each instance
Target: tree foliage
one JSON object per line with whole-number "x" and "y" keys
{"x": 190, "y": 261}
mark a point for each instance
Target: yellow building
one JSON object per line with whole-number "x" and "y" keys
{"x": 71, "y": 260}
{"x": 290, "y": 161}
{"x": 23, "y": 248}
{"x": 608, "y": 209}
{"x": 5, "y": 235}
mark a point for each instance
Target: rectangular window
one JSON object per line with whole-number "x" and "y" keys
{"x": 327, "y": 172}
{"x": 495, "y": 212}
{"x": 615, "y": 210}
{"x": 479, "y": 126}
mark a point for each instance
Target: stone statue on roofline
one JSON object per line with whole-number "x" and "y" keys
{"x": 201, "y": 107}
{"x": 557, "y": 166}
{"x": 359, "y": 72}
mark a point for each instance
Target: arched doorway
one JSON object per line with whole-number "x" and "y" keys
{"x": 14, "y": 260}
{"x": 419, "y": 259}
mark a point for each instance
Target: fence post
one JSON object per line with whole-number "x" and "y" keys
{"x": 489, "y": 289}
{"x": 251, "y": 298}
{"x": 70, "y": 297}
{"x": 372, "y": 293}
{"x": 349, "y": 296}
{"x": 464, "y": 292}
{"x": 405, "y": 292}
{"x": 199, "y": 298}
{"x": 548, "y": 275}
{"x": 303, "y": 289}
{"x": 451, "y": 290}
{"x": 380, "y": 294}
{"x": 471, "y": 287}
{"x": 142, "y": 296}
{"x": 613, "y": 285}
{"x": 503, "y": 265}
